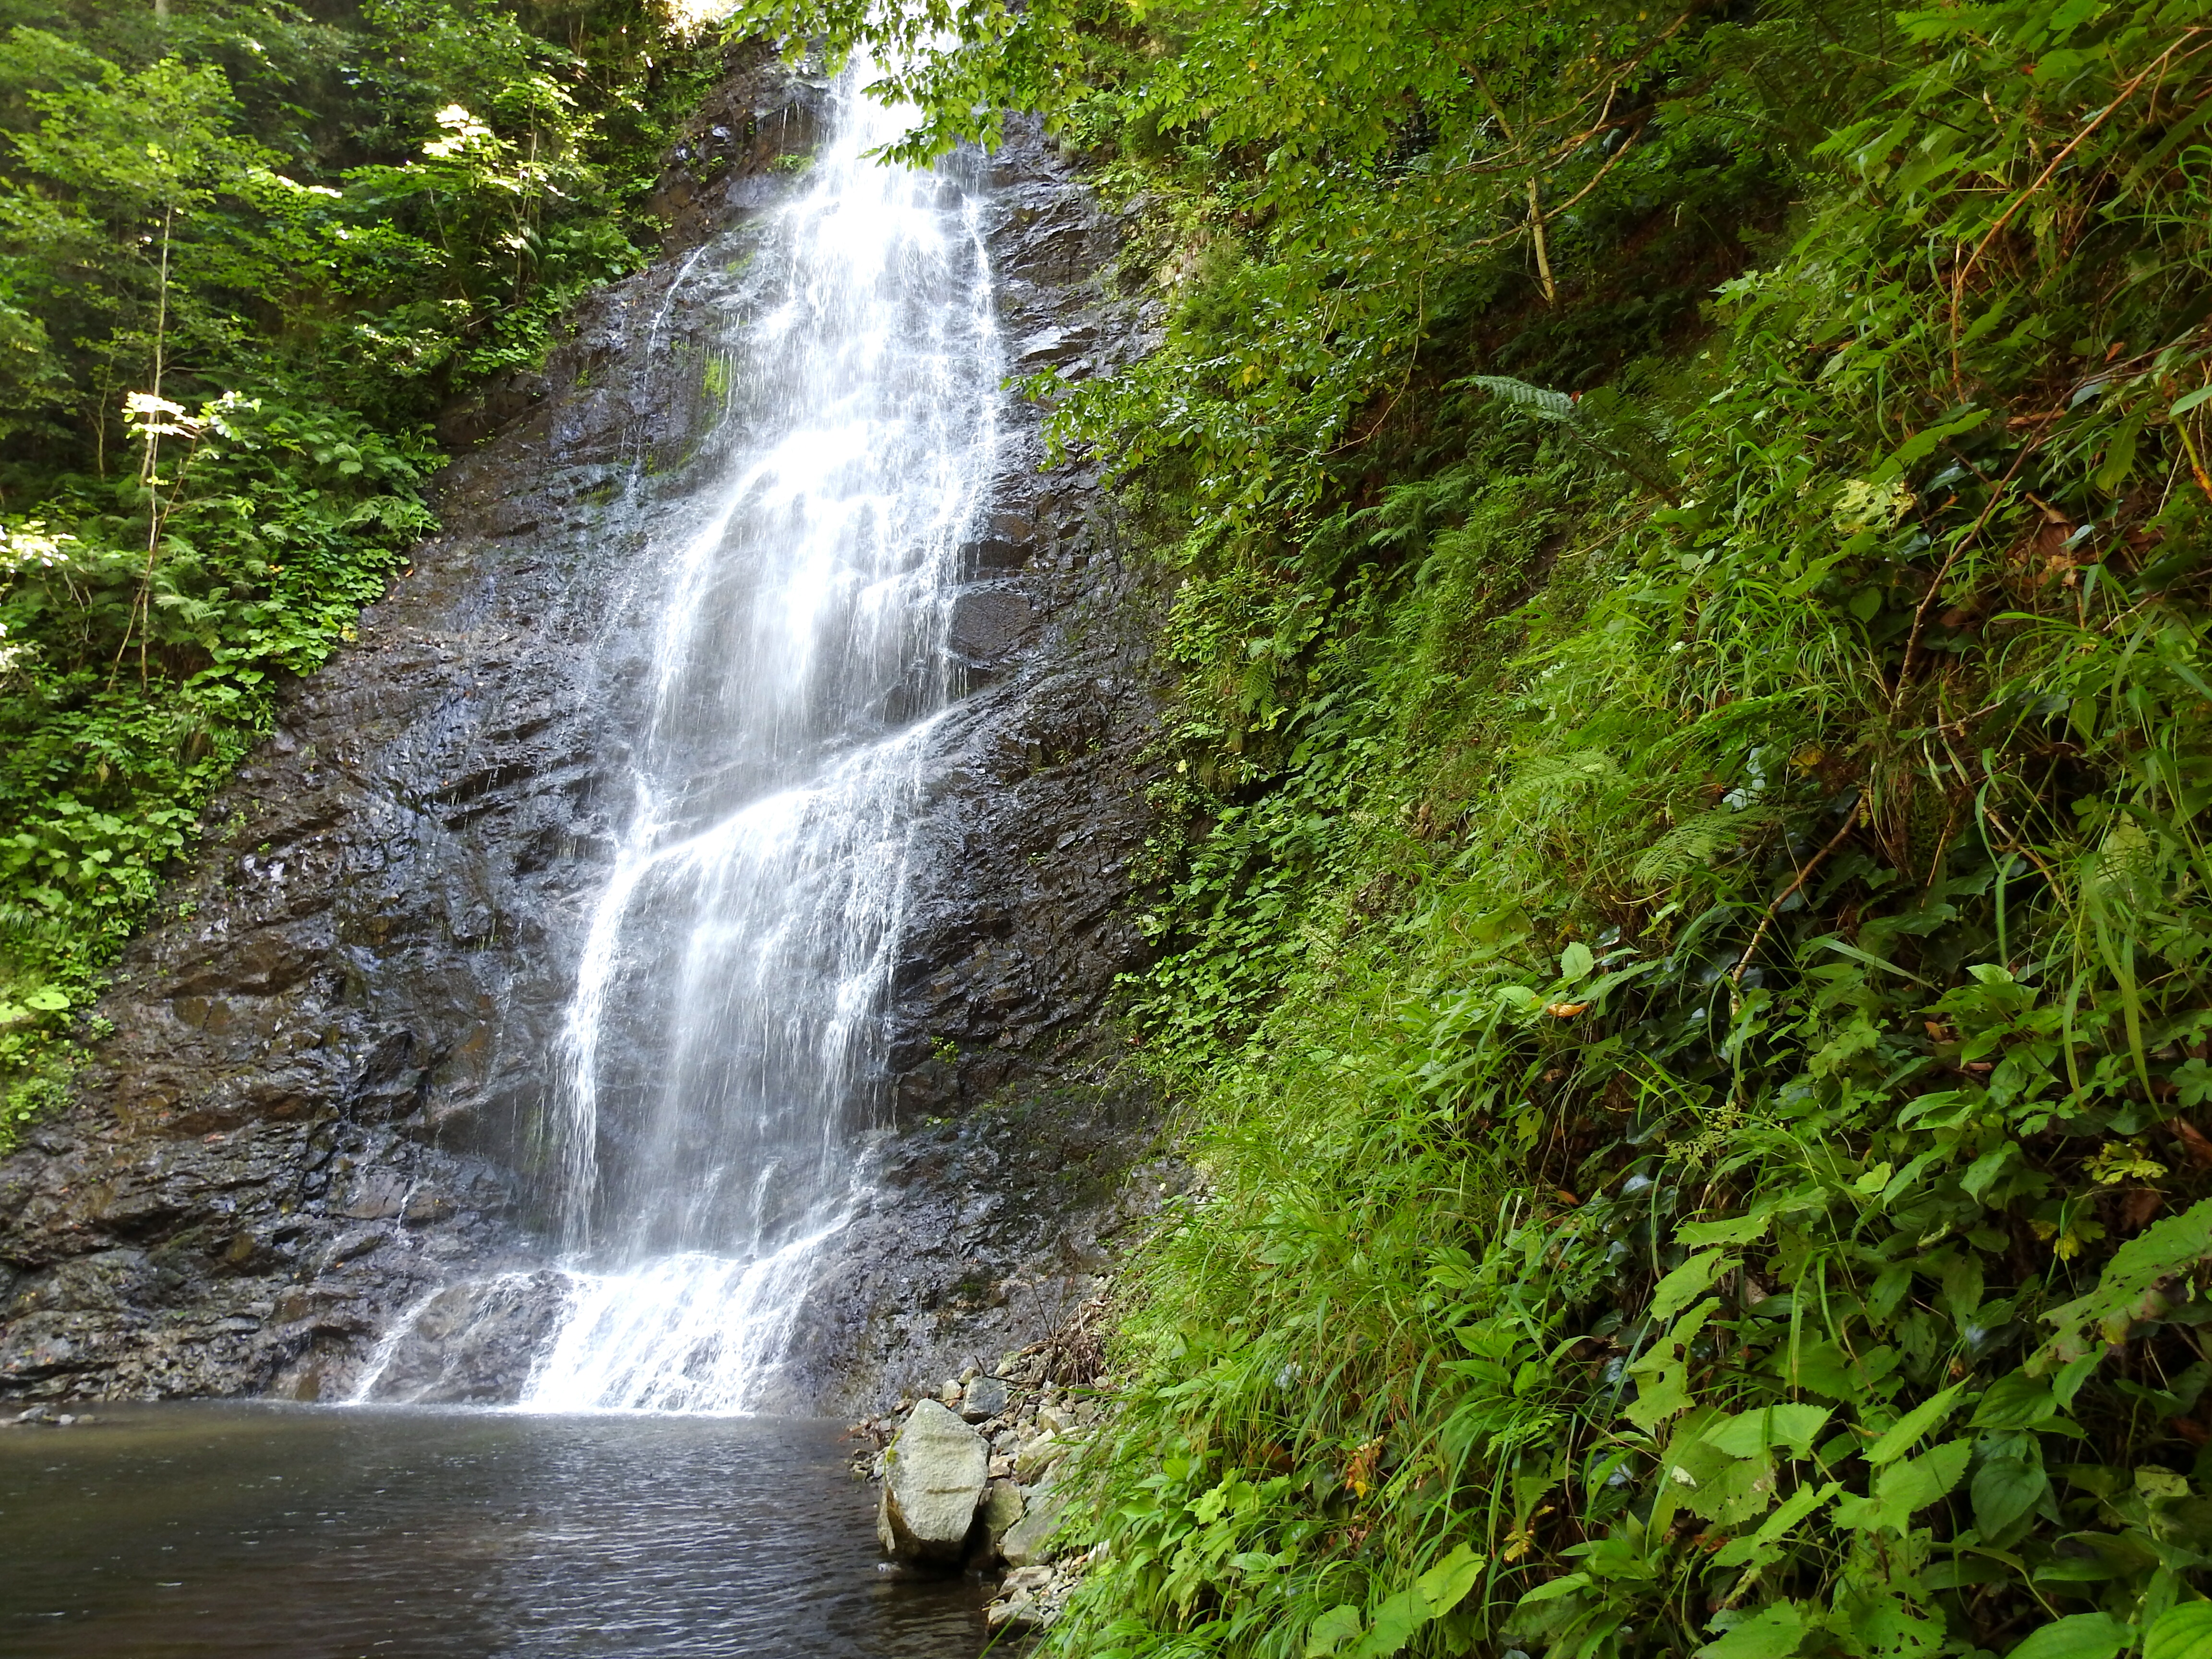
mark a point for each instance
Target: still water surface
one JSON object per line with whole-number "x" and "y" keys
{"x": 260, "y": 1532}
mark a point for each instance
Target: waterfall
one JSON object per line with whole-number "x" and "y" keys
{"x": 722, "y": 1052}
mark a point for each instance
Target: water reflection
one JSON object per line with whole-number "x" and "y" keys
{"x": 272, "y": 1533}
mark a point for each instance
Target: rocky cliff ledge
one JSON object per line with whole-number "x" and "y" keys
{"x": 320, "y": 1106}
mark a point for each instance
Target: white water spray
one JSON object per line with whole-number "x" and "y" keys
{"x": 720, "y": 1051}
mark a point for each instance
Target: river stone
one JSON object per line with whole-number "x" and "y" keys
{"x": 984, "y": 1397}
{"x": 1002, "y": 1507}
{"x": 934, "y": 1477}
{"x": 1038, "y": 1456}
{"x": 1024, "y": 1544}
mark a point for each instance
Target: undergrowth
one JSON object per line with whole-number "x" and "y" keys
{"x": 1681, "y": 899}
{"x": 247, "y": 250}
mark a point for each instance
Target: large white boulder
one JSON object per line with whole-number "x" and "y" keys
{"x": 935, "y": 1473}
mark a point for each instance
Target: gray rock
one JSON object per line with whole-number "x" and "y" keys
{"x": 1024, "y": 1544}
{"x": 935, "y": 1473}
{"x": 475, "y": 1343}
{"x": 984, "y": 1398}
{"x": 1038, "y": 1456}
{"x": 1002, "y": 1507}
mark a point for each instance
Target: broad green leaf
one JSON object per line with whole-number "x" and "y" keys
{"x": 1774, "y": 1633}
{"x": 2078, "y": 1636}
{"x": 2127, "y": 1291}
{"x": 2189, "y": 400}
{"x": 1687, "y": 1283}
{"x": 1445, "y": 1585}
{"x": 1552, "y": 1589}
{"x": 2181, "y": 1633}
{"x": 2016, "y": 1401}
{"x": 1576, "y": 962}
{"x": 2156, "y": 1482}
{"x": 2004, "y": 1490}
{"x": 2071, "y": 1375}
{"x": 1909, "y": 1429}
{"x": 1737, "y": 1229}
{"x": 1724, "y": 1488}
{"x": 1903, "y": 1490}
{"x": 1757, "y": 1548}
{"x": 1661, "y": 1375}
{"x": 1750, "y": 1434}
{"x": 1395, "y": 1621}
{"x": 1332, "y": 1630}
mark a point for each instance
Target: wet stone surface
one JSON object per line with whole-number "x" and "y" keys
{"x": 321, "y": 1104}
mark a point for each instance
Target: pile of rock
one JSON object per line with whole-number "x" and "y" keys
{"x": 970, "y": 1481}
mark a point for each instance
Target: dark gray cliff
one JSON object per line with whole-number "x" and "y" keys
{"x": 320, "y": 1105}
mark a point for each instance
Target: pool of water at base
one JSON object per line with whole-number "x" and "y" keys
{"x": 269, "y": 1532}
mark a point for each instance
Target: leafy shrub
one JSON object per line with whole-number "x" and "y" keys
{"x": 1681, "y": 901}
{"x": 246, "y": 250}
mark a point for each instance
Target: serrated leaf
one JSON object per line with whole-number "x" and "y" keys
{"x": 1663, "y": 1386}
{"x": 1903, "y": 1490}
{"x": 1774, "y": 1633}
{"x": 1688, "y": 1282}
{"x": 1736, "y": 1230}
{"x": 1758, "y": 1548}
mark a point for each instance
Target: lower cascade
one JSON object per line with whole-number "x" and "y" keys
{"x": 720, "y": 1060}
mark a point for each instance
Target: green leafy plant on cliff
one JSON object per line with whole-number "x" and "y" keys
{"x": 247, "y": 251}
{"x": 1681, "y": 903}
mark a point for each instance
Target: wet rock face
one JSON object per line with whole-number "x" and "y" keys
{"x": 322, "y": 1103}
{"x": 1012, "y": 1171}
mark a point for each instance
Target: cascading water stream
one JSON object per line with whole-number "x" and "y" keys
{"x": 721, "y": 1050}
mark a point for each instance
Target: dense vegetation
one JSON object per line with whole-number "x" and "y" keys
{"x": 1683, "y": 915}
{"x": 247, "y": 249}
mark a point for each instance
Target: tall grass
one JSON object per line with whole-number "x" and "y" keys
{"x": 1695, "y": 1015}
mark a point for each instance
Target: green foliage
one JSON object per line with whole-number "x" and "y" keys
{"x": 1681, "y": 907}
{"x": 246, "y": 250}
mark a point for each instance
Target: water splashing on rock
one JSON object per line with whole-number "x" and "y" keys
{"x": 720, "y": 1057}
